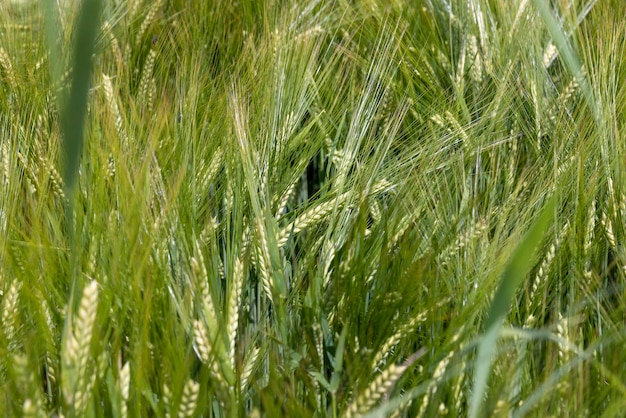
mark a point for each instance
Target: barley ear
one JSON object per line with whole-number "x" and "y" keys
{"x": 9, "y": 313}
{"x": 233, "y": 306}
{"x": 76, "y": 358}
{"x": 124, "y": 387}
{"x": 189, "y": 400}
{"x": 380, "y": 387}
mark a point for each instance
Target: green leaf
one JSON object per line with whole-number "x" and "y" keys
{"x": 334, "y": 380}
{"x": 75, "y": 110}
{"x": 322, "y": 380}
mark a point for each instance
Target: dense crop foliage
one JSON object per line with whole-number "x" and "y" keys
{"x": 312, "y": 208}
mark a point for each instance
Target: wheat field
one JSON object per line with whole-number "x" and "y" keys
{"x": 342, "y": 208}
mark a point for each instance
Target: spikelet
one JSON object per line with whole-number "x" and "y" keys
{"x": 404, "y": 330}
{"x": 167, "y": 399}
{"x": 111, "y": 98}
{"x": 512, "y": 159}
{"x": 460, "y": 66}
{"x": 51, "y": 370}
{"x": 458, "y": 392}
{"x": 229, "y": 194}
{"x": 475, "y": 61}
{"x": 207, "y": 172}
{"x": 285, "y": 199}
{"x": 31, "y": 179}
{"x": 107, "y": 30}
{"x": 7, "y": 68}
{"x": 441, "y": 59}
{"x": 549, "y": 54}
{"x": 456, "y": 128}
{"x": 589, "y": 237}
{"x": 146, "y": 78}
{"x": 189, "y": 400}
{"x": 570, "y": 89}
{"x": 124, "y": 388}
{"x": 233, "y": 306}
{"x": 201, "y": 280}
{"x": 25, "y": 379}
{"x": 562, "y": 330}
{"x": 608, "y": 230}
{"x": 538, "y": 113}
{"x": 518, "y": 16}
{"x": 5, "y": 164}
{"x": 612, "y": 197}
{"x": 263, "y": 258}
{"x": 55, "y": 178}
{"x": 546, "y": 264}
{"x": 82, "y": 398}
{"x": 375, "y": 211}
{"x": 310, "y": 217}
{"x": 392, "y": 341}
{"x": 436, "y": 378}
{"x": 376, "y": 390}
{"x": 85, "y": 322}
{"x": 152, "y": 92}
{"x": 565, "y": 349}
{"x": 147, "y": 21}
{"x": 209, "y": 229}
{"x": 9, "y": 313}
{"x": 202, "y": 344}
{"x": 463, "y": 240}
{"x": 543, "y": 271}
{"x": 133, "y": 8}
{"x": 329, "y": 251}
{"x": 29, "y": 410}
{"x": 75, "y": 354}
{"x": 248, "y": 368}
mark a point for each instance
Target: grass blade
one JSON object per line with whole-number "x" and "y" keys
{"x": 75, "y": 110}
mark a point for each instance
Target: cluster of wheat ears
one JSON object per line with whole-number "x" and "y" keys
{"x": 320, "y": 208}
